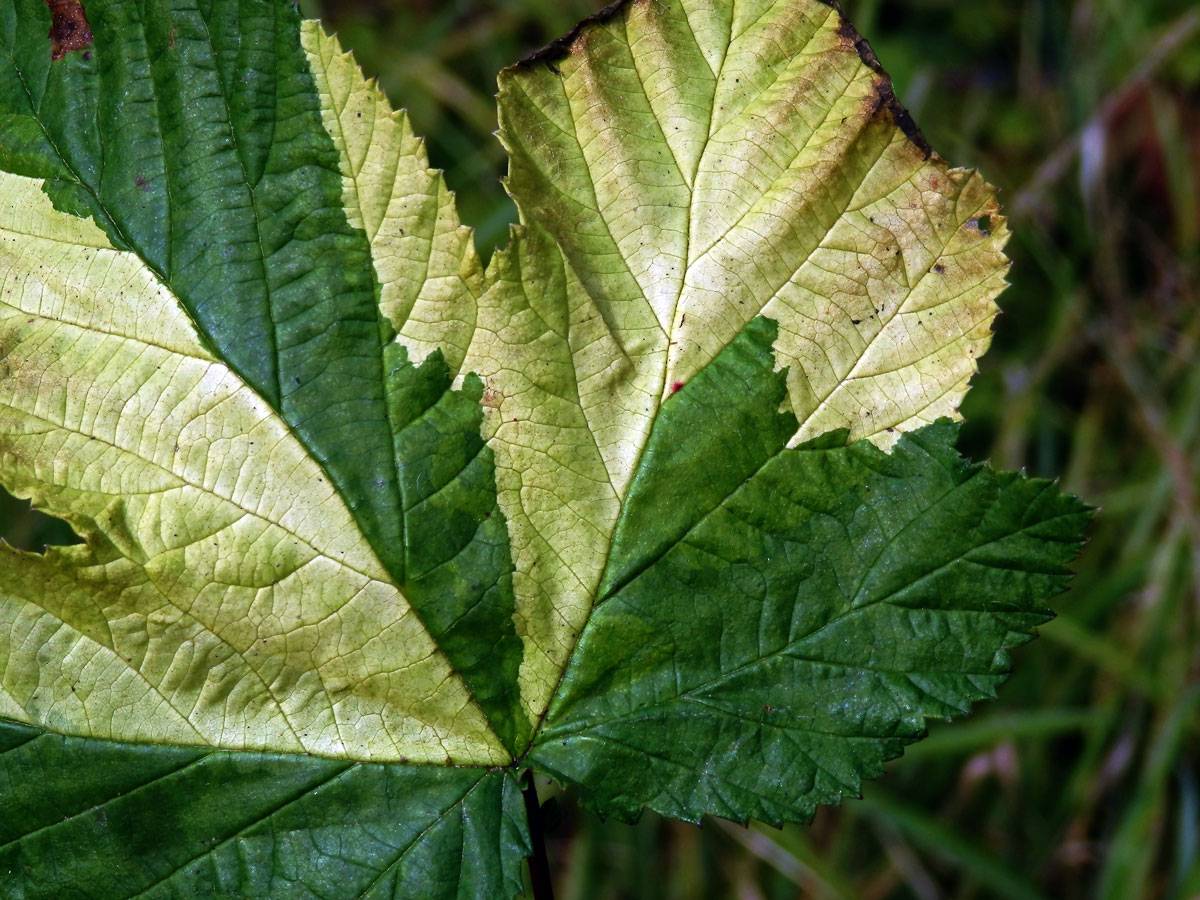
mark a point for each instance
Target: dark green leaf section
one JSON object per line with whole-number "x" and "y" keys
{"x": 193, "y": 132}
{"x": 708, "y": 464}
{"x": 96, "y": 819}
{"x": 458, "y": 564}
{"x": 778, "y": 623}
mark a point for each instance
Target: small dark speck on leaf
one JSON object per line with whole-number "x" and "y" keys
{"x": 69, "y": 29}
{"x": 676, "y": 387}
{"x": 856, "y": 321}
{"x": 940, "y": 269}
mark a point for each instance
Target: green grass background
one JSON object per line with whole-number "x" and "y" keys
{"x": 1083, "y": 779}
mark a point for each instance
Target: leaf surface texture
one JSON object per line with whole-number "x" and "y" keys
{"x": 663, "y": 502}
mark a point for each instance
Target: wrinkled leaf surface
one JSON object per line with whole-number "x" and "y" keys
{"x": 654, "y": 503}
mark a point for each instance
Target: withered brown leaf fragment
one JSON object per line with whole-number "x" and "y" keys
{"x": 69, "y": 29}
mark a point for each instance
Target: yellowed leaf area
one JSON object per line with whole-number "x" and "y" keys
{"x": 225, "y": 596}
{"x": 425, "y": 260}
{"x": 683, "y": 168}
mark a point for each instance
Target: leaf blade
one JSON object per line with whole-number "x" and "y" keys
{"x": 221, "y": 135}
{"x": 174, "y": 822}
{"x": 798, "y": 632}
{"x": 220, "y": 579}
{"x": 456, "y": 566}
{"x": 681, "y": 169}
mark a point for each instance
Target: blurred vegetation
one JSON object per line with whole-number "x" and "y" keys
{"x": 1083, "y": 779}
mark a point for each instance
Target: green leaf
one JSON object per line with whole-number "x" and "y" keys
{"x": 185, "y": 822}
{"x": 680, "y": 169}
{"x": 803, "y": 611}
{"x": 368, "y": 528}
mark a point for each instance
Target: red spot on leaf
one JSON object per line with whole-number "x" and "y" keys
{"x": 69, "y": 29}
{"x": 676, "y": 387}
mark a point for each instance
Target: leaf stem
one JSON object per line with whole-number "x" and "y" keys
{"x": 539, "y": 865}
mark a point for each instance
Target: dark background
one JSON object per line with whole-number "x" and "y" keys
{"x": 1082, "y": 780}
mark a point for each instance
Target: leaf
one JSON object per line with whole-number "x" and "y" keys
{"x": 775, "y": 175}
{"x": 369, "y": 528}
{"x": 803, "y": 612}
{"x": 188, "y": 822}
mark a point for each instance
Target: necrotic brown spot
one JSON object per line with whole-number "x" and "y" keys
{"x": 69, "y": 28}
